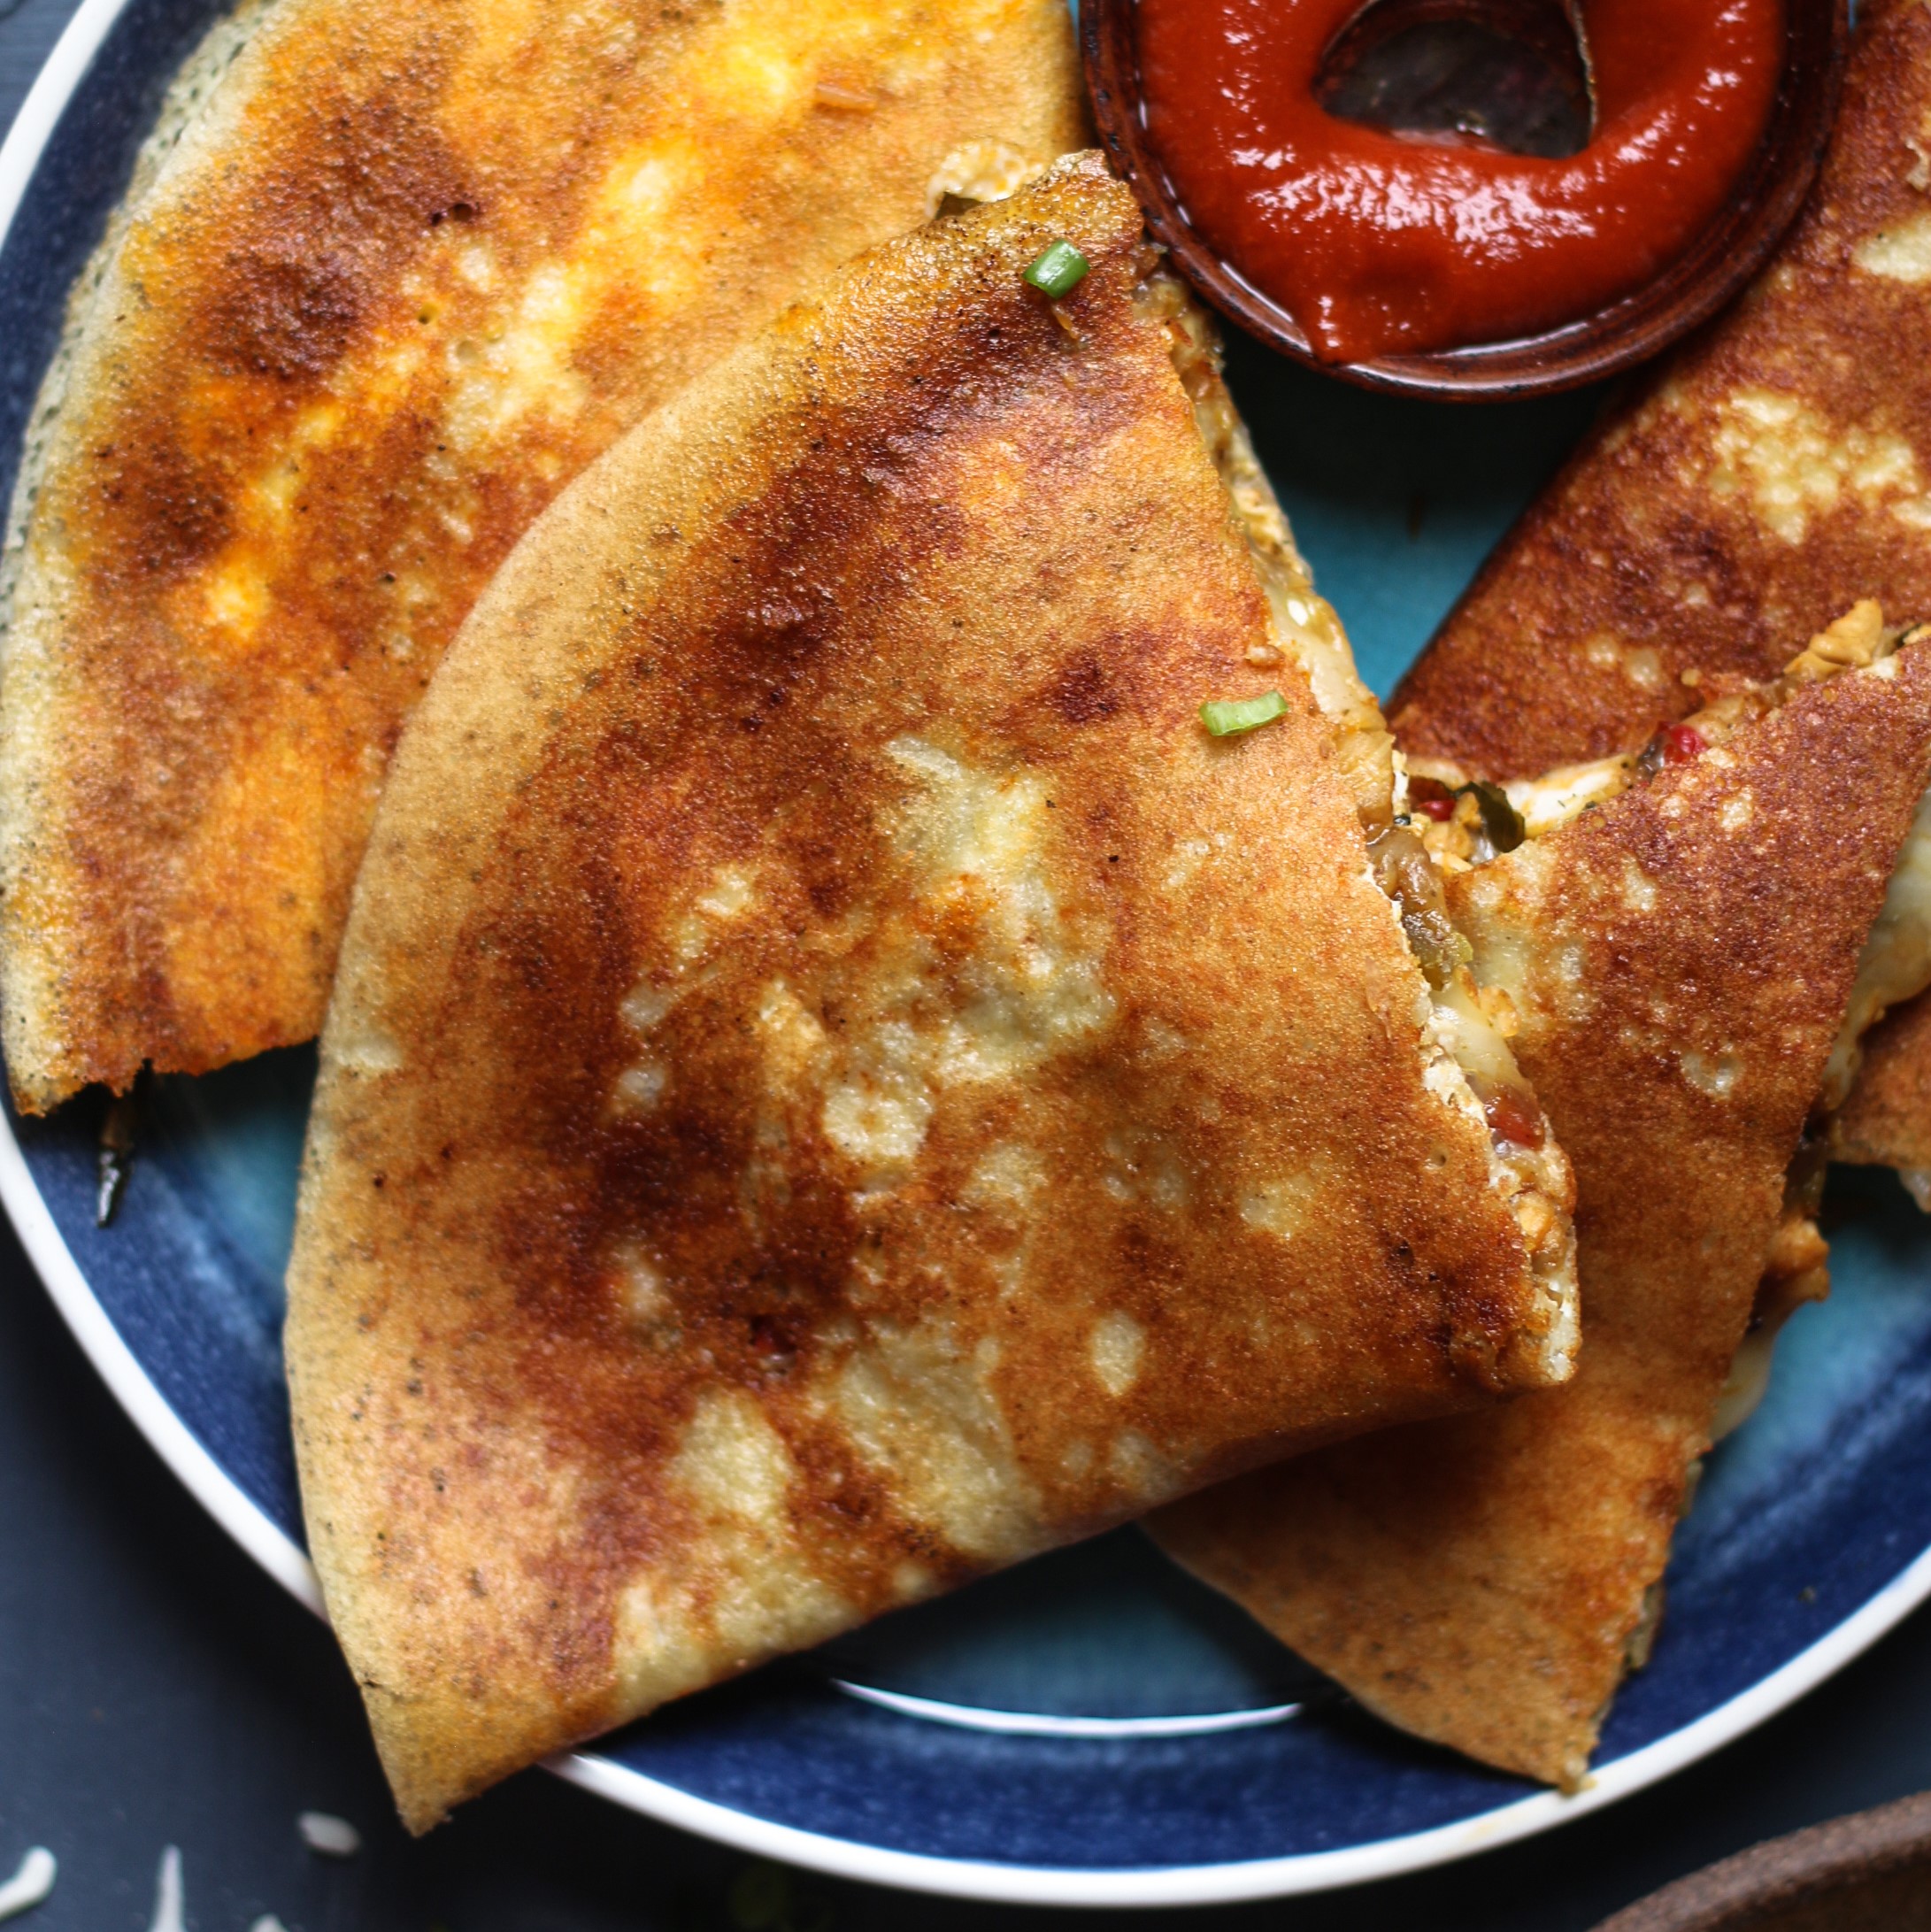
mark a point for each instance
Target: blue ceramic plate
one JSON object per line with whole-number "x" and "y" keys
{"x": 1093, "y": 1728}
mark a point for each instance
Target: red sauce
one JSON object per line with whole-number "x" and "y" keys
{"x": 1381, "y": 242}
{"x": 1683, "y": 744}
{"x": 1514, "y": 1116}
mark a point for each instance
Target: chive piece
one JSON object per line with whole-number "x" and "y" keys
{"x": 1058, "y": 270}
{"x": 1225, "y": 717}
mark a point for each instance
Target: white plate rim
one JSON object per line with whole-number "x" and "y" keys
{"x": 283, "y": 1559}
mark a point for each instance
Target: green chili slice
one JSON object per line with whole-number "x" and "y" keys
{"x": 1225, "y": 717}
{"x": 1058, "y": 270}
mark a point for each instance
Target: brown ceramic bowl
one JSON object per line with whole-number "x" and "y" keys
{"x": 1868, "y": 1873}
{"x": 1715, "y": 268}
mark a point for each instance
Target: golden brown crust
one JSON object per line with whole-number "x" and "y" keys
{"x": 1678, "y": 960}
{"x": 835, "y": 1082}
{"x": 407, "y": 271}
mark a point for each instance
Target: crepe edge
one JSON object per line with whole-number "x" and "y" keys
{"x": 34, "y": 587}
{"x": 1462, "y": 1044}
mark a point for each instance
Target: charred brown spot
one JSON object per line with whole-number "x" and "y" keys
{"x": 167, "y": 510}
{"x": 320, "y": 236}
{"x": 288, "y": 315}
{"x": 1083, "y": 693}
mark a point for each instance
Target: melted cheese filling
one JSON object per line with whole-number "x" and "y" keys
{"x": 1557, "y": 796}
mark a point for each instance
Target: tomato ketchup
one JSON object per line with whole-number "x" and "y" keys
{"x": 1382, "y": 242}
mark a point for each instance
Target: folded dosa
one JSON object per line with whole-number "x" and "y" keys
{"x": 388, "y": 277}
{"x": 1768, "y": 477}
{"x": 836, "y": 1081}
{"x": 1680, "y": 959}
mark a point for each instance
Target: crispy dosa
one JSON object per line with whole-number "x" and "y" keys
{"x": 1680, "y": 959}
{"x": 836, "y": 1081}
{"x": 1769, "y": 476}
{"x": 389, "y": 277}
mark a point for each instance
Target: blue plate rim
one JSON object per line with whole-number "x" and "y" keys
{"x": 217, "y": 1493}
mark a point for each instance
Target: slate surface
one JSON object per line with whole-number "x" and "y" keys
{"x": 155, "y": 1690}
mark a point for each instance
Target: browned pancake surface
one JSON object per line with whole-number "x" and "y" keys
{"x": 1680, "y": 960}
{"x": 836, "y": 1081}
{"x": 409, "y": 269}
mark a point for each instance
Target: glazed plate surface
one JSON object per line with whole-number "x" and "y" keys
{"x": 1092, "y": 1727}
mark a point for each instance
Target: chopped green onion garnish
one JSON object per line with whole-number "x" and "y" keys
{"x": 1225, "y": 716}
{"x": 1058, "y": 270}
